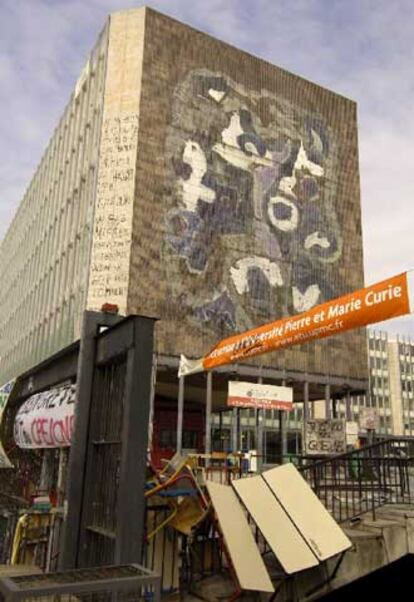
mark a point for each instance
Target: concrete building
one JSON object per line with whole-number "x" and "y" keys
{"x": 392, "y": 382}
{"x": 192, "y": 181}
{"x": 391, "y": 385}
{"x": 379, "y": 351}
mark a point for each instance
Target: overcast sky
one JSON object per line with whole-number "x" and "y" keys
{"x": 362, "y": 49}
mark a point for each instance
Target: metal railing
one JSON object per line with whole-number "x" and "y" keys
{"x": 122, "y": 583}
{"x": 362, "y": 480}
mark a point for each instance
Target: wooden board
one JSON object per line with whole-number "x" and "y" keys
{"x": 312, "y": 519}
{"x": 289, "y": 547}
{"x": 244, "y": 553}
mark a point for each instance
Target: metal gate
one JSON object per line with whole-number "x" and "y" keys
{"x": 106, "y": 480}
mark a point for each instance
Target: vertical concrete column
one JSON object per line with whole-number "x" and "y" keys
{"x": 180, "y": 414}
{"x": 209, "y": 401}
{"x": 235, "y": 430}
{"x": 62, "y": 470}
{"x": 348, "y": 407}
{"x": 46, "y": 473}
{"x": 328, "y": 409}
{"x": 306, "y": 409}
{"x": 260, "y": 417}
{"x": 282, "y": 429}
{"x": 221, "y": 430}
{"x": 306, "y": 415}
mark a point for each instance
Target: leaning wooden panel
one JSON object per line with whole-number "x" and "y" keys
{"x": 310, "y": 516}
{"x": 244, "y": 553}
{"x": 286, "y": 542}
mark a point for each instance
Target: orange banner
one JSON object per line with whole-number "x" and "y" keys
{"x": 376, "y": 303}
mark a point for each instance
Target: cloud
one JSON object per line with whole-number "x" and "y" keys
{"x": 362, "y": 49}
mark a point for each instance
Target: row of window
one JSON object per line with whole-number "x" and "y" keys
{"x": 45, "y": 251}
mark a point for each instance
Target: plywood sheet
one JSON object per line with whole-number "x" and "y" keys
{"x": 310, "y": 516}
{"x": 247, "y": 561}
{"x": 286, "y": 542}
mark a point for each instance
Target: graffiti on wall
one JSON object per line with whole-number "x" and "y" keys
{"x": 251, "y": 226}
{"x": 109, "y": 271}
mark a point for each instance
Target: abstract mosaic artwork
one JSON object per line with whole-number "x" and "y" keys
{"x": 251, "y": 226}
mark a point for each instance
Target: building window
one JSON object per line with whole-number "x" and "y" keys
{"x": 272, "y": 449}
{"x": 190, "y": 439}
{"x": 220, "y": 440}
{"x": 247, "y": 440}
{"x": 168, "y": 439}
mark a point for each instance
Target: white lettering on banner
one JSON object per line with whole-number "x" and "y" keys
{"x": 384, "y": 300}
{"x": 46, "y": 420}
{"x": 252, "y": 395}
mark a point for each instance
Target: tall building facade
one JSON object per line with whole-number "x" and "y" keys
{"x": 391, "y": 386}
{"x": 45, "y": 254}
{"x": 392, "y": 382}
{"x": 191, "y": 181}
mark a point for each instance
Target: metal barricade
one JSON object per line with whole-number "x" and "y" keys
{"x": 130, "y": 583}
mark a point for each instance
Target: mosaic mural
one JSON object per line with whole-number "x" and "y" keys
{"x": 251, "y": 226}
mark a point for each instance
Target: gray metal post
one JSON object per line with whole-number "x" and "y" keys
{"x": 260, "y": 417}
{"x": 180, "y": 414}
{"x": 209, "y": 401}
{"x": 61, "y": 479}
{"x": 132, "y": 477}
{"x": 76, "y": 469}
{"x": 305, "y": 414}
{"x": 283, "y": 432}
{"x": 46, "y": 473}
{"x": 56, "y": 534}
{"x": 328, "y": 410}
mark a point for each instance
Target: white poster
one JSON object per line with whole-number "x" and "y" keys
{"x": 253, "y": 395}
{"x": 325, "y": 437}
{"x": 352, "y": 430}
{"x": 46, "y": 419}
{"x": 368, "y": 419}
